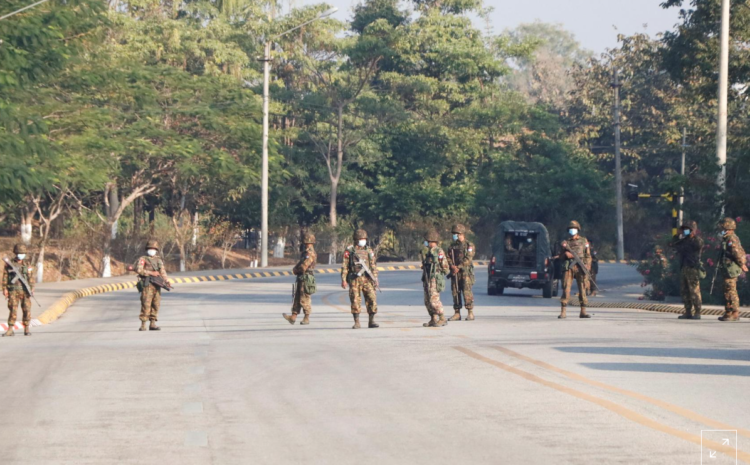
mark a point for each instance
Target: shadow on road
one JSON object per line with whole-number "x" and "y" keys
{"x": 708, "y": 354}
{"x": 675, "y": 368}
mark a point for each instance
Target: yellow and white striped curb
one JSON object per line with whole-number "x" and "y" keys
{"x": 651, "y": 307}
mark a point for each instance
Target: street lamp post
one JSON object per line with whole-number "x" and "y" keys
{"x": 264, "y": 165}
{"x": 721, "y": 126}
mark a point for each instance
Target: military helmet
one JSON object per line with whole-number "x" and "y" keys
{"x": 360, "y": 234}
{"x": 19, "y": 248}
{"x": 728, "y": 224}
{"x": 458, "y": 228}
{"x": 308, "y": 238}
{"x": 691, "y": 225}
{"x": 432, "y": 236}
{"x": 574, "y": 224}
{"x": 152, "y": 244}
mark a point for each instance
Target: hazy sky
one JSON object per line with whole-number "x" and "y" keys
{"x": 592, "y": 21}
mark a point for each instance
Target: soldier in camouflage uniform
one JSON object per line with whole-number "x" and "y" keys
{"x": 304, "y": 272}
{"x": 434, "y": 269}
{"x": 689, "y": 247}
{"x": 460, "y": 257}
{"x": 571, "y": 270}
{"x": 732, "y": 263}
{"x": 14, "y": 291}
{"x": 353, "y": 274}
{"x": 149, "y": 265}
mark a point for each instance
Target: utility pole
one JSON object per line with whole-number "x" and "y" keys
{"x": 618, "y": 168}
{"x": 264, "y": 163}
{"x": 721, "y": 127}
{"x": 682, "y": 172}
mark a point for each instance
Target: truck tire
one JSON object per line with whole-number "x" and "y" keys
{"x": 556, "y": 288}
{"x": 548, "y": 289}
{"x": 491, "y": 290}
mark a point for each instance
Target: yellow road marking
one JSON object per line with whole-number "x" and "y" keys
{"x": 683, "y": 412}
{"x": 611, "y": 406}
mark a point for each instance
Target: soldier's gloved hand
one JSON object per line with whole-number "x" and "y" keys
{"x": 454, "y": 269}
{"x": 5, "y": 293}
{"x": 343, "y": 284}
{"x": 744, "y": 268}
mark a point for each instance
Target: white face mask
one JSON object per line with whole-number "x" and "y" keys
{"x": 455, "y": 237}
{"x": 686, "y": 232}
{"x": 572, "y": 231}
{"x": 151, "y": 252}
{"x": 21, "y": 256}
{"x": 426, "y": 244}
{"x": 723, "y": 233}
{"x": 362, "y": 242}
{"x": 529, "y": 240}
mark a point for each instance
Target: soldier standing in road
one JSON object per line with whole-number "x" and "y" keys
{"x": 434, "y": 269}
{"x": 305, "y": 285}
{"x": 689, "y": 247}
{"x": 732, "y": 263}
{"x": 594, "y": 271}
{"x": 14, "y": 291}
{"x": 150, "y": 265}
{"x": 571, "y": 270}
{"x": 460, "y": 257}
{"x": 354, "y": 274}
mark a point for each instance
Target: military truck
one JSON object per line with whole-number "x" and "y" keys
{"x": 522, "y": 258}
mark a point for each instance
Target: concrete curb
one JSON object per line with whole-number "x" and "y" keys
{"x": 651, "y": 307}
{"x": 60, "y": 306}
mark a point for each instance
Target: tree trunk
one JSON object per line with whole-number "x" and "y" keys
{"x": 137, "y": 212}
{"x": 195, "y": 230}
{"x": 106, "y": 259}
{"x": 40, "y": 262}
{"x": 183, "y": 256}
{"x": 114, "y": 206}
{"x": 27, "y": 216}
{"x": 151, "y": 221}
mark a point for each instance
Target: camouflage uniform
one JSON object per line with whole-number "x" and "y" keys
{"x": 305, "y": 266}
{"x": 689, "y": 249}
{"x": 594, "y": 271}
{"x": 360, "y": 284}
{"x": 732, "y": 264}
{"x": 461, "y": 282}
{"x": 17, "y": 295}
{"x": 434, "y": 268}
{"x": 150, "y": 293}
{"x": 572, "y": 271}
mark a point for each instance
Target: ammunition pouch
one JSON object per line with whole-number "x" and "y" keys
{"x": 730, "y": 269}
{"x": 309, "y": 286}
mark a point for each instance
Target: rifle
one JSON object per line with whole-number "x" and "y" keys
{"x": 579, "y": 262}
{"x": 366, "y": 270}
{"x": 716, "y": 271}
{"x": 453, "y": 260}
{"x": 160, "y": 282}
{"x": 19, "y": 277}
{"x": 294, "y": 290}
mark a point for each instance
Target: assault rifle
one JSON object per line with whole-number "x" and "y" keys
{"x": 366, "y": 270}
{"x": 19, "y": 277}
{"x": 579, "y": 262}
{"x": 453, "y": 260}
{"x": 719, "y": 262}
{"x": 160, "y": 282}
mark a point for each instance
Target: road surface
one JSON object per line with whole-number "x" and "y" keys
{"x": 228, "y": 381}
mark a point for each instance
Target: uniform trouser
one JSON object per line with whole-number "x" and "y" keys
{"x": 461, "y": 287}
{"x": 15, "y": 297}
{"x": 574, "y": 273}
{"x": 690, "y": 289}
{"x": 150, "y": 303}
{"x": 302, "y": 300}
{"x": 731, "y": 298}
{"x": 432, "y": 297}
{"x": 362, "y": 285}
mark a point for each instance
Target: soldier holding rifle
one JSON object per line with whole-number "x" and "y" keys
{"x": 18, "y": 289}
{"x": 305, "y": 285}
{"x": 732, "y": 264}
{"x": 576, "y": 264}
{"x": 359, "y": 272}
{"x": 689, "y": 247}
{"x": 152, "y": 278}
{"x": 460, "y": 257}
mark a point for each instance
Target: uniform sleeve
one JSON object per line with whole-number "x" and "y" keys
{"x": 163, "y": 270}
{"x": 30, "y": 279}
{"x": 5, "y": 276}
{"x": 736, "y": 252}
{"x": 374, "y": 263}
{"x": 443, "y": 261}
{"x": 587, "y": 255}
{"x": 305, "y": 262}
{"x": 469, "y": 256}
{"x": 345, "y": 265}
{"x": 141, "y": 268}
{"x": 697, "y": 244}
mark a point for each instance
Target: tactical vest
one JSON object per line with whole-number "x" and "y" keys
{"x": 311, "y": 252}
{"x": 730, "y": 268}
{"x": 10, "y": 275}
{"x": 431, "y": 269}
{"x": 362, "y": 254}
{"x": 458, "y": 250}
{"x": 579, "y": 247}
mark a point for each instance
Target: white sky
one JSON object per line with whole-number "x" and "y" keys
{"x": 592, "y": 21}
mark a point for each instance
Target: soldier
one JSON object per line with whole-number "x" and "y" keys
{"x": 689, "y": 247}
{"x": 594, "y": 271}
{"x": 305, "y": 284}
{"x": 732, "y": 263}
{"x": 571, "y": 270}
{"x": 14, "y": 291}
{"x": 460, "y": 257}
{"x": 150, "y": 265}
{"x": 434, "y": 269}
{"x": 354, "y": 275}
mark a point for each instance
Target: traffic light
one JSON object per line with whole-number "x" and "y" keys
{"x": 632, "y": 192}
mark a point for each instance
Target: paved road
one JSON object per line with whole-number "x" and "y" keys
{"x": 228, "y": 381}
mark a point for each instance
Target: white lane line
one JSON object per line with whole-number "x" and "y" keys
{"x": 192, "y": 408}
{"x": 198, "y": 370}
{"x": 196, "y": 439}
{"x": 192, "y": 389}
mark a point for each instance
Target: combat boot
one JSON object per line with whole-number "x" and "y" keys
{"x": 433, "y": 321}
{"x": 305, "y": 320}
{"x": 730, "y": 315}
{"x": 470, "y": 316}
{"x": 153, "y": 327}
{"x": 442, "y": 321}
{"x": 26, "y": 331}
{"x": 584, "y": 314}
{"x": 290, "y": 318}
{"x": 356, "y": 321}
{"x": 372, "y": 323}
{"x": 9, "y": 332}
{"x": 688, "y": 315}
{"x": 697, "y": 315}
{"x": 456, "y": 316}
{"x": 143, "y": 326}
{"x": 563, "y": 313}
